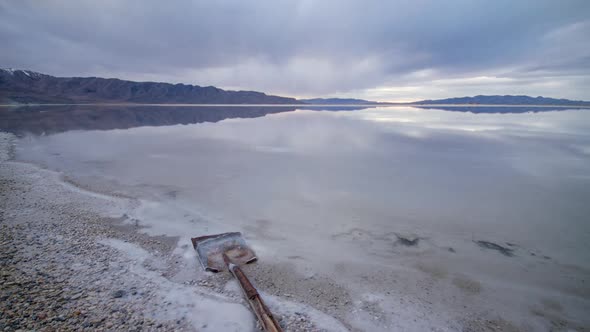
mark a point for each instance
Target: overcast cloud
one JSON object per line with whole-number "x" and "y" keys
{"x": 380, "y": 50}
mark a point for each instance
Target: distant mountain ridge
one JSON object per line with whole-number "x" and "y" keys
{"x": 475, "y": 100}
{"x": 506, "y": 100}
{"x": 29, "y": 87}
{"x": 25, "y": 86}
{"x": 337, "y": 101}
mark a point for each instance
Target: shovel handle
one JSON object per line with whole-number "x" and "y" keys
{"x": 265, "y": 317}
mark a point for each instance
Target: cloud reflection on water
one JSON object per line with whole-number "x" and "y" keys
{"x": 323, "y": 172}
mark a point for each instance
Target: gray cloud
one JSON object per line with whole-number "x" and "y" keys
{"x": 390, "y": 50}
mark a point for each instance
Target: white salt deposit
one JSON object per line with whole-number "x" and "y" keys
{"x": 205, "y": 310}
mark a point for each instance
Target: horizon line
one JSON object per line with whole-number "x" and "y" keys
{"x": 382, "y": 104}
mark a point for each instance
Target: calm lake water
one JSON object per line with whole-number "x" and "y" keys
{"x": 339, "y": 188}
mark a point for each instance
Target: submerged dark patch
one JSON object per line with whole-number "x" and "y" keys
{"x": 494, "y": 246}
{"x": 407, "y": 241}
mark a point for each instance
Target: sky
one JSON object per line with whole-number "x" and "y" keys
{"x": 402, "y": 50}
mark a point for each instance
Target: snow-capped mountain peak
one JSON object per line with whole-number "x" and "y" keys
{"x": 12, "y": 71}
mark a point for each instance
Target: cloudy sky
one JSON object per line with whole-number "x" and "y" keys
{"x": 379, "y": 50}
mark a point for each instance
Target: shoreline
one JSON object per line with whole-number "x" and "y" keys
{"x": 71, "y": 262}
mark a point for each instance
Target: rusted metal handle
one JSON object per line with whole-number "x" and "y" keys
{"x": 265, "y": 317}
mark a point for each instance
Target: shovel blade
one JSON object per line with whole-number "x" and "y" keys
{"x": 210, "y": 250}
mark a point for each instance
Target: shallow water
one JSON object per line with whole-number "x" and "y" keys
{"x": 333, "y": 192}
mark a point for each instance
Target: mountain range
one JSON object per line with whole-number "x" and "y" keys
{"x": 337, "y": 101}
{"x": 29, "y": 87}
{"x": 505, "y": 100}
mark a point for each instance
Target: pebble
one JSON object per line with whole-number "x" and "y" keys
{"x": 118, "y": 294}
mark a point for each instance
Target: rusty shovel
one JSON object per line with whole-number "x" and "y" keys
{"x": 229, "y": 251}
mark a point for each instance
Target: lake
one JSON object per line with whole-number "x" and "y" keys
{"x": 438, "y": 208}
